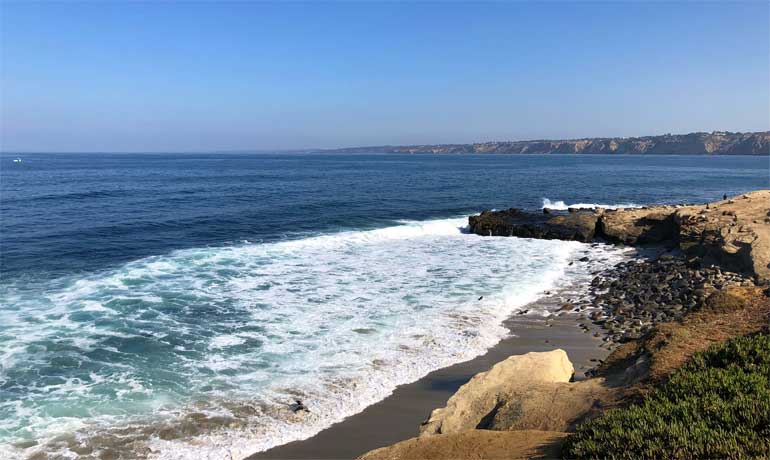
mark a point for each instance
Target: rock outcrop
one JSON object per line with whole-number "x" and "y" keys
{"x": 520, "y": 408}
{"x": 474, "y": 444}
{"x": 578, "y": 226}
{"x": 638, "y": 225}
{"x": 482, "y": 396}
{"x": 733, "y": 233}
{"x": 524, "y": 392}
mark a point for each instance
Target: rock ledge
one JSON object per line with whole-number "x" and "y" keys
{"x": 733, "y": 233}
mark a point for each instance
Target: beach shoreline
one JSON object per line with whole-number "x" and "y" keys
{"x": 399, "y": 416}
{"x": 627, "y": 304}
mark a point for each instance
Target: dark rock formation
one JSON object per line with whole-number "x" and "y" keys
{"x": 629, "y": 226}
{"x": 732, "y": 233}
{"x": 515, "y": 222}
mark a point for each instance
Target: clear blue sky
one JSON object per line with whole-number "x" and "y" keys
{"x": 174, "y": 76}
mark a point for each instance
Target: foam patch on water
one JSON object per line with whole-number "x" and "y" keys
{"x": 562, "y": 206}
{"x": 234, "y": 334}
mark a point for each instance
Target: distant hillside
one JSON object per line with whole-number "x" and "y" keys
{"x": 716, "y": 143}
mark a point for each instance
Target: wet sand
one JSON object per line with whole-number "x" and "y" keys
{"x": 398, "y": 417}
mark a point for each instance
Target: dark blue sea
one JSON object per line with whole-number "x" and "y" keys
{"x": 139, "y": 292}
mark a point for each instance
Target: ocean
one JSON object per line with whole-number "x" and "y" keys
{"x": 173, "y": 306}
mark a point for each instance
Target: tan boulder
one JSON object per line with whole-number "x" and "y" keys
{"x": 638, "y": 225}
{"x": 547, "y": 406}
{"x": 479, "y": 400}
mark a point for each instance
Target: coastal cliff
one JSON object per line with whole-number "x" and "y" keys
{"x": 714, "y": 143}
{"x": 689, "y": 326}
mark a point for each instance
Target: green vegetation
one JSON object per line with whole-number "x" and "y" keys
{"x": 715, "y": 406}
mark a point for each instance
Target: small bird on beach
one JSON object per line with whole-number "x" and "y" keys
{"x": 481, "y": 297}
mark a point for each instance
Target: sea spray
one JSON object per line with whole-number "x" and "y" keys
{"x": 562, "y": 206}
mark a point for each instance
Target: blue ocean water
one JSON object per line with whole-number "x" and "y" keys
{"x": 141, "y": 294}
{"x": 64, "y": 213}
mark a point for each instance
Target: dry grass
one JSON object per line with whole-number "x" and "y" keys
{"x": 726, "y": 314}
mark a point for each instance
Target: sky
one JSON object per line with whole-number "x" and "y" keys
{"x": 173, "y": 76}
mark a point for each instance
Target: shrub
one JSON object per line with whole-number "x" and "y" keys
{"x": 715, "y": 406}
{"x": 722, "y": 301}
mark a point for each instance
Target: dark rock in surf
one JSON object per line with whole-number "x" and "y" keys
{"x": 515, "y": 222}
{"x": 299, "y": 406}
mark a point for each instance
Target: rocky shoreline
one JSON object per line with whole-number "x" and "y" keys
{"x": 733, "y": 233}
{"x": 632, "y": 297}
{"x": 702, "y": 244}
{"x": 706, "y": 282}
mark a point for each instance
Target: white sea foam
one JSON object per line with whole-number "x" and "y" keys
{"x": 224, "y": 341}
{"x": 562, "y": 206}
{"x": 212, "y": 330}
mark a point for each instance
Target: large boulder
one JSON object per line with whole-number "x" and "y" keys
{"x": 516, "y": 393}
{"x": 546, "y": 406}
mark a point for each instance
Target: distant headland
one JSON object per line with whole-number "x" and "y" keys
{"x": 714, "y": 143}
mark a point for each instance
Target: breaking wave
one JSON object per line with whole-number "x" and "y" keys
{"x": 198, "y": 353}
{"x": 562, "y": 206}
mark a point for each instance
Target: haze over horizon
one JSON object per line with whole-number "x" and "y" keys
{"x": 261, "y": 76}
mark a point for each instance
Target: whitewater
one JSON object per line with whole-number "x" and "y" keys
{"x": 199, "y": 353}
{"x": 559, "y": 205}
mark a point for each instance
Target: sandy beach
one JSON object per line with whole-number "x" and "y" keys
{"x": 398, "y": 417}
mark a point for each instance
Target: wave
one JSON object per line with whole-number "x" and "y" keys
{"x": 562, "y": 206}
{"x": 196, "y": 354}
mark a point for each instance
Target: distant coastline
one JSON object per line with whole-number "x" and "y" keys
{"x": 714, "y": 143}
{"x": 699, "y": 143}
